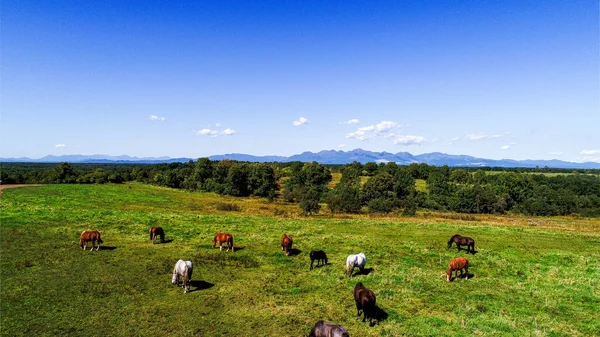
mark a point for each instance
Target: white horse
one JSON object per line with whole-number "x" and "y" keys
{"x": 355, "y": 260}
{"x": 183, "y": 269}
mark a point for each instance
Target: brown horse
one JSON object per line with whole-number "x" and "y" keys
{"x": 90, "y": 236}
{"x": 457, "y": 265}
{"x": 221, "y": 238}
{"x": 462, "y": 241}
{"x": 157, "y": 231}
{"x": 286, "y": 244}
{"x": 322, "y": 329}
{"x": 365, "y": 301}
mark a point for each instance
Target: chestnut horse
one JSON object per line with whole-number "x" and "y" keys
{"x": 223, "y": 237}
{"x": 462, "y": 241}
{"x": 90, "y": 236}
{"x": 322, "y": 329}
{"x": 286, "y": 244}
{"x": 157, "y": 231}
{"x": 365, "y": 301}
{"x": 457, "y": 265}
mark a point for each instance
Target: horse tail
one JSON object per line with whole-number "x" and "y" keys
{"x": 151, "y": 234}
{"x": 231, "y": 240}
{"x": 99, "y": 239}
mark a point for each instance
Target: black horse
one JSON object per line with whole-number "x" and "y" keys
{"x": 318, "y": 255}
{"x": 462, "y": 241}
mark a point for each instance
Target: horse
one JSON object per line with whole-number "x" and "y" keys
{"x": 365, "y": 301}
{"x": 90, "y": 236}
{"x": 183, "y": 269}
{"x": 355, "y": 260}
{"x": 456, "y": 265}
{"x": 157, "y": 231}
{"x": 286, "y": 244}
{"x": 223, "y": 237}
{"x": 462, "y": 241}
{"x": 322, "y": 329}
{"x": 318, "y": 255}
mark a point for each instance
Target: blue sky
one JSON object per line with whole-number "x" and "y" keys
{"x": 493, "y": 79}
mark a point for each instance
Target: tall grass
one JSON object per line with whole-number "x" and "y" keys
{"x": 531, "y": 276}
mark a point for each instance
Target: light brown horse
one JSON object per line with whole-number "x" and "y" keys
{"x": 90, "y": 236}
{"x": 157, "y": 231}
{"x": 223, "y": 237}
{"x": 457, "y": 265}
{"x": 286, "y": 244}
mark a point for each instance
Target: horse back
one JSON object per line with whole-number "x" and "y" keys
{"x": 458, "y": 263}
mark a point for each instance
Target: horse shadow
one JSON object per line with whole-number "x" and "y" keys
{"x": 108, "y": 247}
{"x": 365, "y": 271}
{"x": 468, "y": 250}
{"x": 294, "y": 252}
{"x": 463, "y": 276}
{"x": 237, "y": 249}
{"x": 380, "y": 315}
{"x": 200, "y": 285}
{"x": 166, "y": 241}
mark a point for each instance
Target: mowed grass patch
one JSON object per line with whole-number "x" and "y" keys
{"x": 526, "y": 280}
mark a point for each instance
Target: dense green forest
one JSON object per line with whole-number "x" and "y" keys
{"x": 380, "y": 188}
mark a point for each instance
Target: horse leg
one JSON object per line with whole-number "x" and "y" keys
{"x": 97, "y": 249}
{"x": 311, "y": 264}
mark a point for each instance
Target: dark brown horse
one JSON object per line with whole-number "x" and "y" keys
{"x": 221, "y": 238}
{"x": 286, "y": 244}
{"x": 462, "y": 241}
{"x": 322, "y": 329}
{"x": 457, "y": 265}
{"x": 319, "y": 256}
{"x": 90, "y": 236}
{"x": 157, "y": 231}
{"x": 365, "y": 301}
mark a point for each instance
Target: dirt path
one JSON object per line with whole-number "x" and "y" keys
{"x": 3, "y": 187}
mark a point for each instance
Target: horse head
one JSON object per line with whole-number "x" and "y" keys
{"x": 175, "y": 279}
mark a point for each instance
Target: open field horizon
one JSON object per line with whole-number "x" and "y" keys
{"x": 531, "y": 275}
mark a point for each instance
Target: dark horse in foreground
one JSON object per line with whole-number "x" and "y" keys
{"x": 462, "y": 241}
{"x": 286, "y": 244}
{"x": 157, "y": 231}
{"x": 221, "y": 238}
{"x": 319, "y": 256}
{"x": 90, "y": 236}
{"x": 322, "y": 329}
{"x": 365, "y": 301}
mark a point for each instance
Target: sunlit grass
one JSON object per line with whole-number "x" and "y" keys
{"x": 532, "y": 276}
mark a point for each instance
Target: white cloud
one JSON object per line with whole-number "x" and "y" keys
{"x": 451, "y": 141}
{"x": 505, "y": 147}
{"x": 408, "y": 140}
{"x": 218, "y": 124}
{"x": 590, "y": 152}
{"x": 215, "y": 133}
{"x": 60, "y": 145}
{"x": 300, "y": 121}
{"x": 352, "y": 121}
{"x": 479, "y": 136}
{"x": 342, "y": 145}
{"x": 156, "y": 118}
{"x": 373, "y": 131}
{"x": 555, "y": 153}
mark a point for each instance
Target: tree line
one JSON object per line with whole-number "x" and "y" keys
{"x": 372, "y": 187}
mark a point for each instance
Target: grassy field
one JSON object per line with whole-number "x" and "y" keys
{"x": 531, "y": 276}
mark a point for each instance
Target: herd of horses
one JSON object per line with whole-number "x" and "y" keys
{"x": 364, "y": 298}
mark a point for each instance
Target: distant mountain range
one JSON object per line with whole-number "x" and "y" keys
{"x": 325, "y": 157}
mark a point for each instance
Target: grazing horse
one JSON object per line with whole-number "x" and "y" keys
{"x": 223, "y": 237}
{"x": 457, "y": 265}
{"x": 286, "y": 244}
{"x": 322, "y": 329}
{"x": 157, "y": 231}
{"x": 90, "y": 236}
{"x": 355, "y": 260}
{"x": 183, "y": 269}
{"x": 318, "y": 255}
{"x": 462, "y": 241}
{"x": 365, "y": 301}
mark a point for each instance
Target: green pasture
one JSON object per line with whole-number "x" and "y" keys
{"x": 527, "y": 280}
